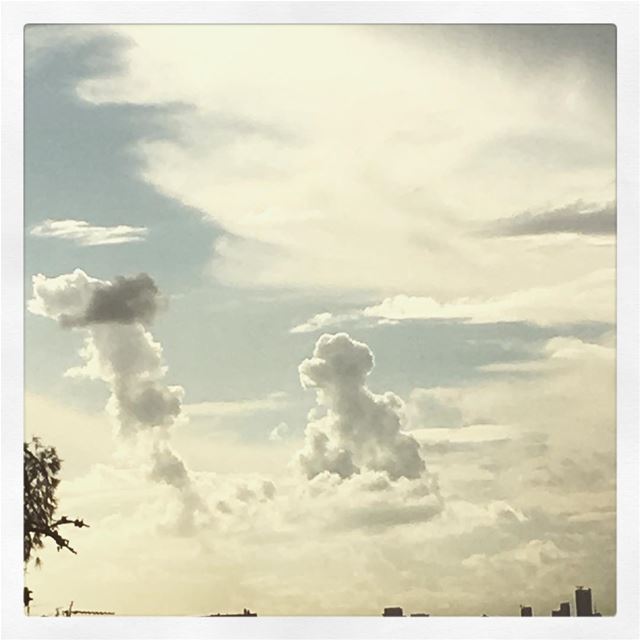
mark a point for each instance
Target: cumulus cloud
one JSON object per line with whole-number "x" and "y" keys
{"x": 577, "y": 217}
{"x": 120, "y": 351}
{"x": 523, "y": 505}
{"x": 89, "y": 235}
{"x": 369, "y": 500}
{"x": 125, "y": 300}
{"x": 416, "y": 170}
{"x": 76, "y": 299}
{"x": 353, "y": 429}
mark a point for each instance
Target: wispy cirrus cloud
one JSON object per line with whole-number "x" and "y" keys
{"x": 88, "y": 235}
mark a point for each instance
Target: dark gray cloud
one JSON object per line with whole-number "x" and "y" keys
{"x": 148, "y": 403}
{"x": 573, "y": 218}
{"x": 384, "y": 514}
{"x": 124, "y": 301}
{"x": 546, "y": 44}
{"x": 525, "y": 47}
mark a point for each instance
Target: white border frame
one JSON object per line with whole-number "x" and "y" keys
{"x": 625, "y": 15}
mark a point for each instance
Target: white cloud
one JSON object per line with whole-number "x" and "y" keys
{"x": 522, "y": 506}
{"x": 588, "y": 299}
{"x": 318, "y": 322}
{"x": 352, "y": 428}
{"x": 279, "y": 432}
{"x": 88, "y": 235}
{"x": 372, "y": 161}
{"x": 468, "y": 435}
{"x": 369, "y": 500}
{"x": 232, "y": 408}
{"x": 120, "y": 351}
{"x": 548, "y": 428}
{"x": 419, "y": 154}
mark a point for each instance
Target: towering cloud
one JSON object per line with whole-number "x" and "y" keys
{"x": 77, "y": 300}
{"x": 353, "y": 429}
{"x": 121, "y": 351}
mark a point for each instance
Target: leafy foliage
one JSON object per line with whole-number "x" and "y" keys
{"x": 41, "y": 467}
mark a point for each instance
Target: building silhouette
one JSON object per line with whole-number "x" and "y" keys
{"x": 584, "y": 606}
{"x": 398, "y": 612}
{"x": 245, "y": 613}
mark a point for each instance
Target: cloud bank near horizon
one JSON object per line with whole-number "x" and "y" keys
{"x": 516, "y": 483}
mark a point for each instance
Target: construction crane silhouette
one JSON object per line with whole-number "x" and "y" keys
{"x": 70, "y": 611}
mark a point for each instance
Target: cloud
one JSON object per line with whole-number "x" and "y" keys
{"x": 125, "y": 300}
{"x": 577, "y": 217}
{"x": 469, "y": 435}
{"x": 534, "y": 553}
{"x": 370, "y": 500}
{"x": 317, "y": 322}
{"x": 431, "y": 141}
{"x": 521, "y": 503}
{"x": 279, "y": 432}
{"x": 272, "y": 402}
{"x": 77, "y": 300}
{"x": 549, "y": 422}
{"x": 88, "y": 235}
{"x": 120, "y": 351}
{"x": 435, "y": 407}
{"x": 353, "y": 429}
{"x": 588, "y": 299}
{"x": 423, "y": 152}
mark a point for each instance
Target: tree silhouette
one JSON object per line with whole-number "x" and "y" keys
{"x": 41, "y": 467}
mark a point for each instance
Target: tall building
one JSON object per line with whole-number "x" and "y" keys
{"x": 564, "y": 610}
{"x": 392, "y": 612}
{"x": 526, "y": 612}
{"x": 583, "y": 602}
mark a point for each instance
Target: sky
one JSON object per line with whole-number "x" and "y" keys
{"x": 321, "y": 319}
